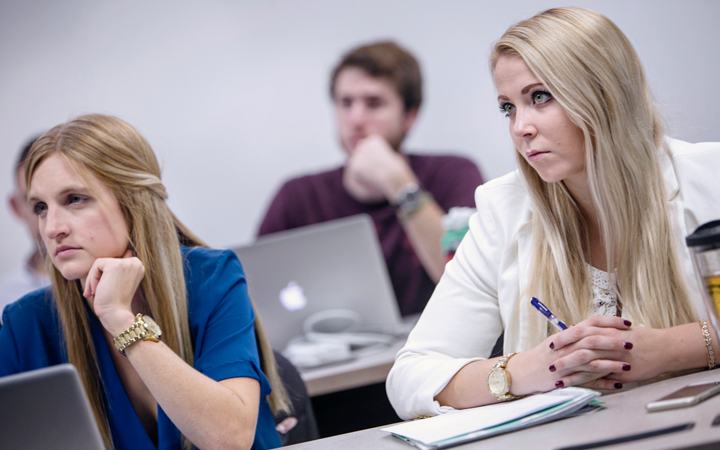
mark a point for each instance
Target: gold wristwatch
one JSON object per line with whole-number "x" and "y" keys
{"x": 144, "y": 328}
{"x": 499, "y": 381}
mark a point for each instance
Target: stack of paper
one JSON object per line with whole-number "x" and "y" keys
{"x": 457, "y": 427}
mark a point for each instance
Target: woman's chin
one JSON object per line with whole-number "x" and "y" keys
{"x": 551, "y": 178}
{"x": 73, "y": 273}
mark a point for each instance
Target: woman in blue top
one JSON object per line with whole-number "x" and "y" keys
{"x": 120, "y": 258}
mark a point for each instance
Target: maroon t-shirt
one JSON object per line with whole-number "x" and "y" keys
{"x": 321, "y": 197}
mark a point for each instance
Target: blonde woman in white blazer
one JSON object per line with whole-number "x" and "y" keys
{"x": 592, "y": 223}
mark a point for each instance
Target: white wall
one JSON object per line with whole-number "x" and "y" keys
{"x": 232, "y": 95}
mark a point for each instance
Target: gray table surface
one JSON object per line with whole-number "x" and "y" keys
{"x": 624, "y": 414}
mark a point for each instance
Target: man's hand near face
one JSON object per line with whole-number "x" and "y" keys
{"x": 375, "y": 172}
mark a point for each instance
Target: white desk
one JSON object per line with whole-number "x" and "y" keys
{"x": 624, "y": 415}
{"x": 366, "y": 370}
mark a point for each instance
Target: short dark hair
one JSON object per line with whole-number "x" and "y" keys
{"x": 390, "y": 61}
{"x": 24, "y": 153}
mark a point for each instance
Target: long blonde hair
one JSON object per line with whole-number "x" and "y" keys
{"x": 115, "y": 153}
{"x": 592, "y": 70}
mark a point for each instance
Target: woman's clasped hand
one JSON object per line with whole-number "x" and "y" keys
{"x": 593, "y": 354}
{"x": 626, "y": 352}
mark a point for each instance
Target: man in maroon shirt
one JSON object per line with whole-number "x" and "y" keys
{"x": 377, "y": 90}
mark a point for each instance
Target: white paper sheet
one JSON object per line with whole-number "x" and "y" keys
{"x": 458, "y": 423}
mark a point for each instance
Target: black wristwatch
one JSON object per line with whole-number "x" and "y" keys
{"x": 410, "y": 199}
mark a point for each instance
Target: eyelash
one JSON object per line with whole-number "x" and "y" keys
{"x": 504, "y": 108}
{"x": 79, "y": 197}
{"x": 40, "y": 207}
{"x": 545, "y": 93}
{"x": 36, "y": 208}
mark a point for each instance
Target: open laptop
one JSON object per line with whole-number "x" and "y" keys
{"x": 331, "y": 266}
{"x": 47, "y": 409}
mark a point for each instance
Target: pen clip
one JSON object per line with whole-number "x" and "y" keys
{"x": 557, "y": 323}
{"x": 540, "y": 307}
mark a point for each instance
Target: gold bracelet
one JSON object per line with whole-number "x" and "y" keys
{"x": 708, "y": 344}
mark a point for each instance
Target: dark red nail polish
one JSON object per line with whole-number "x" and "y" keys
{"x": 627, "y": 323}
{"x": 559, "y": 384}
{"x": 628, "y": 345}
{"x": 626, "y": 367}
{"x": 552, "y": 368}
{"x": 552, "y": 345}
{"x": 618, "y": 385}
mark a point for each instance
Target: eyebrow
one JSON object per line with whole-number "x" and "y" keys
{"x": 526, "y": 89}
{"x": 80, "y": 189}
{"x": 360, "y": 96}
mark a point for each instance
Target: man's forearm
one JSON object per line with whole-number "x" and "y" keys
{"x": 424, "y": 229}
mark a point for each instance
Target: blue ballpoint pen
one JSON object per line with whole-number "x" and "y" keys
{"x": 548, "y": 314}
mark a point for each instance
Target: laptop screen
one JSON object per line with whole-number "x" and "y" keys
{"x": 332, "y": 266}
{"x": 47, "y": 409}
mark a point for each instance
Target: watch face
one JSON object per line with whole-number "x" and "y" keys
{"x": 497, "y": 382}
{"x": 410, "y": 197}
{"x": 413, "y": 196}
{"x": 152, "y": 325}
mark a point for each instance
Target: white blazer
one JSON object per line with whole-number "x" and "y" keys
{"x": 477, "y": 295}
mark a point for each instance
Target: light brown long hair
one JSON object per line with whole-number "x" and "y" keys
{"x": 120, "y": 158}
{"x": 590, "y": 67}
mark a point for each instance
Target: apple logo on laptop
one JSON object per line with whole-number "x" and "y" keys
{"x": 292, "y": 297}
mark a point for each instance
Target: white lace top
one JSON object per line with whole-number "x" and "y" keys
{"x": 604, "y": 300}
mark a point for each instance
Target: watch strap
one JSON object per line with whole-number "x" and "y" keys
{"x": 509, "y": 396}
{"x": 136, "y": 332}
{"x": 502, "y": 362}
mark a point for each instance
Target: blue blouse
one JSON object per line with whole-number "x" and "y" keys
{"x": 223, "y": 333}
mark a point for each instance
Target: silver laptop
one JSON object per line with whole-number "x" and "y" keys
{"x": 334, "y": 266}
{"x": 47, "y": 409}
